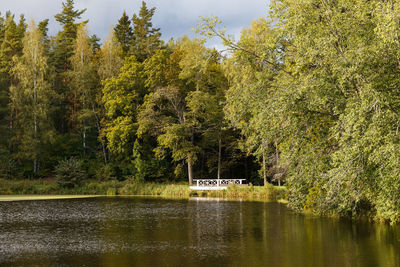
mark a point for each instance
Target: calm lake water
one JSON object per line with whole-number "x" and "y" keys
{"x": 135, "y": 231}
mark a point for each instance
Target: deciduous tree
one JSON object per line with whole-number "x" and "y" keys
{"x": 32, "y": 96}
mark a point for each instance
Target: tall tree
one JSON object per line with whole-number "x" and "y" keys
{"x": 252, "y": 104}
{"x": 21, "y": 27}
{"x": 146, "y": 39}
{"x": 83, "y": 84}
{"x": 124, "y": 33}
{"x": 11, "y": 45}
{"x": 122, "y": 95}
{"x": 110, "y": 60}
{"x": 201, "y": 67}
{"x": 183, "y": 91}
{"x": 32, "y": 97}
{"x": 60, "y": 61}
{"x": 43, "y": 28}
{"x": 110, "y": 63}
{"x": 65, "y": 39}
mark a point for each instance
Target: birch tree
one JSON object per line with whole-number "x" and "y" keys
{"x": 32, "y": 98}
{"x": 110, "y": 60}
{"x": 83, "y": 83}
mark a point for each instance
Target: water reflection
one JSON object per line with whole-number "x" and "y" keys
{"x": 125, "y": 231}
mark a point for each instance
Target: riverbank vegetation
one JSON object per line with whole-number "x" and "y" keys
{"x": 307, "y": 97}
{"x": 133, "y": 188}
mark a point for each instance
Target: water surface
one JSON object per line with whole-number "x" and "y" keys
{"x": 131, "y": 231}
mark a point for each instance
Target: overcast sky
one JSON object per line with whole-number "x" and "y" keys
{"x": 174, "y": 17}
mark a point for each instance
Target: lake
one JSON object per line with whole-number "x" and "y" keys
{"x": 135, "y": 231}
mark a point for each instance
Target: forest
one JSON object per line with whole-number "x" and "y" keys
{"x": 309, "y": 97}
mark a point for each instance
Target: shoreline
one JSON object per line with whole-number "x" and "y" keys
{"x": 8, "y": 198}
{"x": 49, "y": 189}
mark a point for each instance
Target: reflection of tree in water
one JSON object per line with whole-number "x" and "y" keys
{"x": 126, "y": 231}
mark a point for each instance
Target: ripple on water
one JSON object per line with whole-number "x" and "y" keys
{"x": 156, "y": 232}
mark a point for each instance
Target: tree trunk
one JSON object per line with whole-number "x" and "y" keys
{"x": 246, "y": 168}
{"x": 84, "y": 139}
{"x": 277, "y": 161}
{"x": 83, "y": 105}
{"x": 190, "y": 173}
{"x": 11, "y": 129}
{"x": 35, "y": 123}
{"x": 190, "y": 167}
{"x": 219, "y": 155}
{"x": 35, "y": 165}
{"x": 103, "y": 146}
{"x": 264, "y": 168}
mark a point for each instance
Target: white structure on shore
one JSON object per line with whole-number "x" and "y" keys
{"x": 215, "y": 184}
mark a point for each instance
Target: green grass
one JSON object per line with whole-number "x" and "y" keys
{"x": 253, "y": 193}
{"x": 129, "y": 188}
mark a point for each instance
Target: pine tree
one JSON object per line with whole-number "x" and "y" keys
{"x": 146, "y": 39}
{"x": 21, "y": 28}
{"x": 124, "y": 33}
{"x": 4, "y": 101}
{"x": 67, "y": 18}
{"x": 60, "y": 61}
{"x": 94, "y": 42}
{"x": 11, "y": 45}
{"x": 43, "y": 28}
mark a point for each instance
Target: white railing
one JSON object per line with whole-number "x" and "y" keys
{"x": 217, "y": 182}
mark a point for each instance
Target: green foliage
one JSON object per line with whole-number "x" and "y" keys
{"x": 65, "y": 39}
{"x": 110, "y": 61}
{"x": 84, "y": 87}
{"x": 137, "y": 37}
{"x": 62, "y": 49}
{"x": 68, "y": 15}
{"x": 31, "y": 97}
{"x": 8, "y": 166}
{"x": 124, "y": 33}
{"x": 11, "y": 36}
{"x": 121, "y": 97}
{"x": 319, "y": 89}
{"x": 146, "y": 39}
{"x": 105, "y": 173}
{"x": 69, "y": 173}
{"x": 253, "y": 102}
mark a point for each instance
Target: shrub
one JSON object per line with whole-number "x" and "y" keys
{"x": 69, "y": 173}
{"x": 105, "y": 173}
{"x": 7, "y": 167}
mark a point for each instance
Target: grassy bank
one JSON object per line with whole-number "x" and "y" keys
{"x": 50, "y": 187}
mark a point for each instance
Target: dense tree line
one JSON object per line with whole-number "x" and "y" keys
{"x": 134, "y": 107}
{"x": 309, "y": 96}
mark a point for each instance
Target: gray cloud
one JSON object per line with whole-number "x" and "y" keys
{"x": 174, "y": 17}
